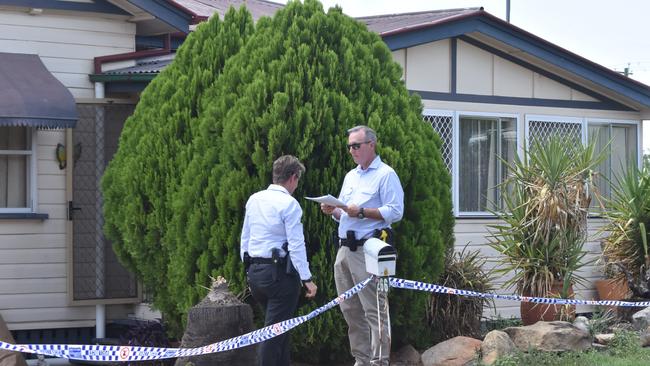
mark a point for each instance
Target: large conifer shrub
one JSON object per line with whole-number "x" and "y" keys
{"x": 300, "y": 81}
{"x": 153, "y": 151}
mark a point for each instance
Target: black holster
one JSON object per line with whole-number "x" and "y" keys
{"x": 385, "y": 235}
{"x": 288, "y": 269}
{"x": 351, "y": 241}
{"x": 247, "y": 261}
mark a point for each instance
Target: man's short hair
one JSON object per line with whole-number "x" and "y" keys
{"x": 371, "y": 135}
{"x": 285, "y": 166}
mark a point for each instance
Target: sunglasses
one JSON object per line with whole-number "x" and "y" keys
{"x": 356, "y": 145}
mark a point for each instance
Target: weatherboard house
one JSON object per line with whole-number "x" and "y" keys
{"x": 72, "y": 71}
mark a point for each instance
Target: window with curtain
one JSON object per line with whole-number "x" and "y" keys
{"x": 15, "y": 168}
{"x": 483, "y": 142}
{"x": 620, "y": 154}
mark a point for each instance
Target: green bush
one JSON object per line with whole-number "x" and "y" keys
{"x": 298, "y": 83}
{"x": 154, "y": 148}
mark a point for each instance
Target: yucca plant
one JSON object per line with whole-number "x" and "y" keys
{"x": 546, "y": 200}
{"x": 451, "y": 315}
{"x": 626, "y": 243}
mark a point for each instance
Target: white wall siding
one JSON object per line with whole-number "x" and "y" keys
{"x": 473, "y": 234}
{"x": 33, "y": 270}
{"x": 428, "y": 67}
{"x": 67, "y": 44}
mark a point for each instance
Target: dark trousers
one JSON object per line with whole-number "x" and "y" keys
{"x": 279, "y": 298}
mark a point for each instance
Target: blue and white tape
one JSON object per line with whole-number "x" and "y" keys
{"x": 422, "y": 286}
{"x": 135, "y": 353}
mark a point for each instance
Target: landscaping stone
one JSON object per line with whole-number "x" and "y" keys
{"x": 641, "y": 319}
{"x": 458, "y": 351}
{"x": 582, "y": 323}
{"x": 496, "y": 344}
{"x": 406, "y": 356}
{"x": 605, "y": 338}
{"x": 219, "y": 316}
{"x": 555, "y": 336}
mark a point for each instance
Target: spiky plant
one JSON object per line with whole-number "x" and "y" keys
{"x": 452, "y": 315}
{"x": 546, "y": 200}
{"x": 626, "y": 242}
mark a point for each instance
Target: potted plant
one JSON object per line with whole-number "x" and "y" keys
{"x": 625, "y": 245}
{"x": 545, "y": 202}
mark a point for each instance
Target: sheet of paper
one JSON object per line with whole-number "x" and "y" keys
{"x": 328, "y": 200}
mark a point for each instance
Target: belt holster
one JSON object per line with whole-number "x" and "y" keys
{"x": 288, "y": 269}
{"x": 385, "y": 235}
{"x": 247, "y": 261}
{"x": 351, "y": 240}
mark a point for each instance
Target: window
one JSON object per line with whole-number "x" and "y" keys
{"x": 621, "y": 153}
{"x": 483, "y": 143}
{"x": 16, "y": 169}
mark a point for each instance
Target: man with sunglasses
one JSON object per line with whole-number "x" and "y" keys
{"x": 374, "y": 200}
{"x": 274, "y": 254}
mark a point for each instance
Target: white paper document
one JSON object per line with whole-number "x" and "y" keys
{"x": 328, "y": 200}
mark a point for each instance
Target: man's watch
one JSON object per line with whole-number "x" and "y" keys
{"x": 361, "y": 215}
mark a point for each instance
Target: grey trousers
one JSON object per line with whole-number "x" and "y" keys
{"x": 360, "y": 311}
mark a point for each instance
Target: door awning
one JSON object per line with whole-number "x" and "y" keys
{"x": 31, "y": 96}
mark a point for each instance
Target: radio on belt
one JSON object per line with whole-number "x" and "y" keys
{"x": 380, "y": 257}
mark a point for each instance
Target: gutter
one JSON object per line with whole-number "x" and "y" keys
{"x": 98, "y": 61}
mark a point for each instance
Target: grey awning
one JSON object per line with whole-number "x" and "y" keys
{"x": 31, "y": 96}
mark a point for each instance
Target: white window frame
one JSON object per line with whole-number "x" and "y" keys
{"x": 456, "y": 146}
{"x": 32, "y": 166}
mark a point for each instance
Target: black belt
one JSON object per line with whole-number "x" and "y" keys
{"x": 352, "y": 244}
{"x": 262, "y": 260}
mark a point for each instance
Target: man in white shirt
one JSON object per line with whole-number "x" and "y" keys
{"x": 271, "y": 237}
{"x": 375, "y": 199}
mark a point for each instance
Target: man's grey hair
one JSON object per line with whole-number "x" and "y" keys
{"x": 371, "y": 135}
{"x": 285, "y": 166}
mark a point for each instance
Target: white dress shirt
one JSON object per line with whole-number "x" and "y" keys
{"x": 273, "y": 218}
{"x": 376, "y": 187}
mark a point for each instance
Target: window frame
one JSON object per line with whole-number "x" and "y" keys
{"x": 627, "y": 122}
{"x": 31, "y": 205}
{"x": 456, "y": 146}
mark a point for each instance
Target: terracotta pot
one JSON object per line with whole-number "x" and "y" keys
{"x": 610, "y": 289}
{"x": 531, "y": 313}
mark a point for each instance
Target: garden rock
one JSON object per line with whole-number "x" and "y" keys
{"x": 496, "y": 344}
{"x": 605, "y": 338}
{"x": 219, "y": 316}
{"x": 555, "y": 336}
{"x": 406, "y": 356}
{"x": 458, "y": 351}
{"x": 8, "y": 358}
{"x": 641, "y": 319}
{"x": 582, "y": 323}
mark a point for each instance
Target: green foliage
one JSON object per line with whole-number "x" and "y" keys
{"x": 626, "y": 243}
{"x": 546, "y": 201}
{"x": 154, "y": 147}
{"x": 295, "y": 86}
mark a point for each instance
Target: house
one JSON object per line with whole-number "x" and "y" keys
{"x": 77, "y": 68}
{"x": 488, "y": 87}
{"x": 58, "y": 276}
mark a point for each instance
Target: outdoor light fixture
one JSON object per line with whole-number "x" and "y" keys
{"x": 60, "y": 155}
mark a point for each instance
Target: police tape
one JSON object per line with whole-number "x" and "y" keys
{"x": 422, "y": 286}
{"x": 137, "y": 353}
